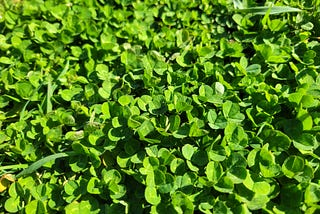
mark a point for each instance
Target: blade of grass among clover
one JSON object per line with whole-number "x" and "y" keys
{"x": 22, "y": 113}
{"x": 11, "y": 167}
{"x": 52, "y": 86}
{"x": 263, "y": 10}
{"x": 36, "y": 165}
{"x": 50, "y": 90}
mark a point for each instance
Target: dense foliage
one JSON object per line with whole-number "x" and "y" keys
{"x": 159, "y": 106}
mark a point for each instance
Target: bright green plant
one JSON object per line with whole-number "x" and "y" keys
{"x": 159, "y": 106}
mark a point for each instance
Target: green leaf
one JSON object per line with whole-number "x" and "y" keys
{"x": 272, "y": 53}
{"x": 125, "y": 100}
{"x": 58, "y": 11}
{"x": 76, "y": 207}
{"x": 276, "y": 24}
{"x": 231, "y": 112}
{"x": 200, "y": 158}
{"x": 68, "y": 94}
{"x": 182, "y": 37}
{"x": 211, "y": 116}
{"x": 236, "y": 159}
{"x": 77, "y": 165}
{"x": 115, "y": 134}
{"x": 157, "y": 105}
{"x": 74, "y": 135}
{"x": 54, "y": 134}
{"x": 308, "y": 26}
{"x": 308, "y": 101}
{"x": 258, "y": 202}
{"x": 182, "y": 103}
{"x": 117, "y": 191}
{"x": 105, "y": 110}
{"x": 174, "y": 121}
{"x": 294, "y": 192}
{"x": 207, "y": 94}
{"x": 278, "y": 141}
{"x": 231, "y": 48}
{"x": 295, "y": 97}
{"x": 151, "y": 163}
{"x": 66, "y": 37}
{"x": 270, "y": 171}
{"x": 12, "y": 204}
{"x": 214, "y": 171}
{"x": 181, "y": 203}
{"x": 292, "y": 166}
{"x": 205, "y": 91}
{"x": 5, "y": 60}
{"x": 219, "y": 123}
{"x": 4, "y": 101}
{"x": 129, "y": 59}
{"x": 160, "y": 66}
{"x": 143, "y": 102}
{"x": 217, "y": 153}
{"x": 177, "y": 166}
{"x": 219, "y": 88}
{"x": 187, "y": 151}
{"x": 196, "y": 129}
{"x": 305, "y": 119}
{"x": 67, "y": 119}
{"x": 152, "y": 196}
{"x": 224, "y": 185}
{"x": 111, "y": 175}
{"x": 266, "y": 157}
{"x": 312, "y": 193}
{"x": 305, "y": 142}
{"x": 93, "y": 186}
{"x": 165, "y": 156}
{"x": 159, "y": 177}
{"x": 237, "y": 174}
{"x": 261, "y": 188}
{"x": 24, "y": 89}
{"x": 253, "y": 69}
{"x": 35, "y": 206}
{"x": 102, "y": 71}
{"x": 235, "y": 136}
{"x": 185, "y": 58}
{"x": 168, "y": 185}
{"x": 182, "y": 132}
{"x": 145, "y": 128}
{"x": 206, "y": 52}
{"x": 267, "y": 163}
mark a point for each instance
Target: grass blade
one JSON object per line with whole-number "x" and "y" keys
{"x": 11, "y": 167}
{"x": 49, "y": 94}
{"x": 36, "y": 165}
{"x": 264, "y": 9}
{"x": 16, "y": 166}
{"x": 52, "y": 86}
{"x": 63, "y": 72}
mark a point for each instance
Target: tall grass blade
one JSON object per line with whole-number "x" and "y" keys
{"x": 266, "y": 17}
{"x": 63, "y": 72}
{"x": 52, "y": 86}
{"x": 49, "y": 94}
{"x": 36, "y": 165}
{"x": 11, "y": 167}
{"x": 264, "y": 9}
{"x": 15, "y": 166}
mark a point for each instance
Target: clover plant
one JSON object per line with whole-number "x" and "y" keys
{"x": 162, "y": 106}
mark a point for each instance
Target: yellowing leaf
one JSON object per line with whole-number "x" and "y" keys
{"x": 5, "y": 181}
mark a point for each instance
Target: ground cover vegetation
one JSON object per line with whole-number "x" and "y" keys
{"x": 159, "y": 106}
